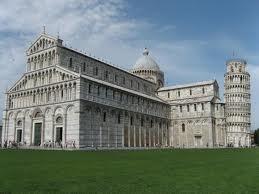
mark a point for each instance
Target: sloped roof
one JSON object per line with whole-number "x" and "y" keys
{"x": 196, "y": 100}
{"x": 192, "y": 100}
{"x": 208, "y": 82}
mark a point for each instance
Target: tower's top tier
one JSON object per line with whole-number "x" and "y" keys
{"x": 236, "y": 66}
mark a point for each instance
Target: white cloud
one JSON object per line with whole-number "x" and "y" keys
{"x": 89, "y": 24}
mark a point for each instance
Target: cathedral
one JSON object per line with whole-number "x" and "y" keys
{"x": 72, "y": 100}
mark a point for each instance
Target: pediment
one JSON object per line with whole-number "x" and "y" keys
{"x": 44, "y": 41}
{"x": 61, "y": 74}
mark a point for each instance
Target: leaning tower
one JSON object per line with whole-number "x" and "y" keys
{"x": 238, "y": 106}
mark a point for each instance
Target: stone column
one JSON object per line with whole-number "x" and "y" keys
{"x": 162, "y": 125}
{"x": 134, "y": 136}
{"x": 14, "y": 138}
{"x": 108, "y": 128}
{"x": 100, "y": 136}
{"x": 149, "y": 137}
{"x": 158, "y": 134}
{"x": 32, "y": 130}
{"x": 123, "y": 135}
{"x": 116, "y": 135}
{"x": 5, "y": 129}
{"x": 43, "y": 131}
{"x": 145, "y": 135}
{"x": 129, "y": 128}
{"x": 91, "y": 124}
{"x": 139, "y": 132}
{"x": 53, "y": 129}
{"x": 23, "y": 129}
{"x": 65, "y": 130}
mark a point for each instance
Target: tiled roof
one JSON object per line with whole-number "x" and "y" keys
{"x": 208, "y": 82}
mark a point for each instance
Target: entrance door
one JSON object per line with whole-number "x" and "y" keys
{"x": 37, "y": 134}
{"x": 59, "y": 134}
{"x": 19, "y": 136}
{"x": 198, "y": 141}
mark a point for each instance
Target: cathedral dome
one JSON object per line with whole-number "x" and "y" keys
{"x": 145, "y": 62}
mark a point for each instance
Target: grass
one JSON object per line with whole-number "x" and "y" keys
{"x": 154, "y": 171}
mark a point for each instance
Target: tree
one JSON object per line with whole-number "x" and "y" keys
{"x": 256, "y": 137}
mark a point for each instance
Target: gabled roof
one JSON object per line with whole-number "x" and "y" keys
{"x": 208, "y": 82}
{"x": 213, "y": 99}
{"x": 42, "y": 36}
{"x": 56, "y": 67}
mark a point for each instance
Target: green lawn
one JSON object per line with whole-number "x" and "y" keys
{"x": 154, "y": 171}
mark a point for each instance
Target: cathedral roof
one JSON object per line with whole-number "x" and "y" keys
{"x": 145, "y": 62}
{"x": 197, "y": 100}
{"x": 208, "y": 82}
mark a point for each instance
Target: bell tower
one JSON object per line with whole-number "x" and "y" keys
{"x": 238, "y": 103}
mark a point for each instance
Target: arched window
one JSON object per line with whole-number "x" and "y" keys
{"x": 48, "y": 96}
{"x": 106, "y": 75}
{"x": 104, "y": 117}
{"x": 106, "y": 92}
{"x": 183, "y": 127}
{"x": 232, "y": 69}
{"x": 96, "y": 71}
{"x": 119, "y": 118}
{"x": 142, "y": 122}
{"x": 89, "y": 88}
{"x": 70, "y": 63}
{"x": 131, "y": 120}
{"x": 84, "y": 67}
{"x": 190, "y": 92}
{"x": 113, "y": 94}
{"x": 34, "y": 98}
{"x": 168, "y": 95}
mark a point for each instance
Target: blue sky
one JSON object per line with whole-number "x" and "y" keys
{"x": 190, "y": 39}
